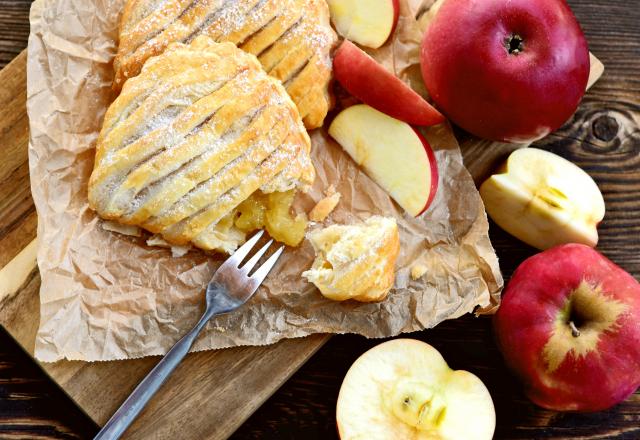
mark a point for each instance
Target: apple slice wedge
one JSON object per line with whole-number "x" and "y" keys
{"x": 370, "y": 82}
{"x": 404, "y": 389}
{"x": 391, "y": 152}
{"x": 367, "y": 22}
{"x": 544, "y": 200}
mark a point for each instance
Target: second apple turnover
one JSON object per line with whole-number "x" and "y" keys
{"x": 291, "y": 38}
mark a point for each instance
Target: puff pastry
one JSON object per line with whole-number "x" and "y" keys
{"x": 198, "y": 132}
{"x": 291, "y": 38}
{"x": 355, "y": 261}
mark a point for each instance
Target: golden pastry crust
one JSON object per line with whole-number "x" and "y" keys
{"x": 355, "y": 261}
{"x": 418, "y": 270}
{"x": 325, "y": 207}
{"x": 200, "y": 130}
{"x": 291, "y": 38}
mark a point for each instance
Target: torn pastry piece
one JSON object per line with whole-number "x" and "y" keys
{"x": 201, "y": 131}
{"x": 291, "y": 38}
{"x": 355, "y": 261}
{"x": 325, "y": 206}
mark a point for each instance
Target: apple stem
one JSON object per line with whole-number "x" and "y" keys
{"x": 574, "y": 330}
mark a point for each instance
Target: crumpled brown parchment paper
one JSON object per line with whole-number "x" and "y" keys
{"x": 107, "y": 296}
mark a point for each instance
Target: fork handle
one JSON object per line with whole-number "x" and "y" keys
{"x": 145, "y": 390}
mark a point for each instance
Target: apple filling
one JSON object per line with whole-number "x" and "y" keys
{"x": 587, "y": 314}
{"x": 273, "y": 212}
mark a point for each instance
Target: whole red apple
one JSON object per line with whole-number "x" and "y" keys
{"x": 569, "y": 326}
{"x": 506, "y": 70}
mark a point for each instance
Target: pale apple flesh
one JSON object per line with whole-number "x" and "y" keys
{"x": 391, "y": 152}
{"x": 404, "y": 389}
{"x": 544, "y": 200}
{"x": 367, "y": 22}
{"x": 569, "y": 326}
{"x": 370, "y": 82}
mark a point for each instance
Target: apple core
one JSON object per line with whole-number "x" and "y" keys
{"x": 417, "y": 405}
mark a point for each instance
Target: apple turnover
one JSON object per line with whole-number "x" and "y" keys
{"x": 291, "y": 38}
{"x": 202, "y": 147}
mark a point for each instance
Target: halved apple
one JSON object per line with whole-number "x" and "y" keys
{"x": 391, "y": 152}
{"x": 370, "y": 82}
{"x": 367, "y": 22}
{"x": 404, "y": 389}
{"x": 544, "y": 200}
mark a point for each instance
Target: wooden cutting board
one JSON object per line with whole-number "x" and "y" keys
{"x": 211, "y": 393}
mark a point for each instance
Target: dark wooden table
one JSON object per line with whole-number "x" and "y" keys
{"x": 603, "y": 138}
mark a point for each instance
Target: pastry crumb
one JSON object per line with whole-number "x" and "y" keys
{"x": 325, "y": 206}
{"x": 176, "y": 251}
{"x": 418, "y": 270}
{"x": 130, "y": 230}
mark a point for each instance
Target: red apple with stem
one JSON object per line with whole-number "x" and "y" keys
{"x": 506, "y": 70}
{"x": 569, "y": 326}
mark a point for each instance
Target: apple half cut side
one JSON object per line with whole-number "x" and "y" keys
{"x": 544, "y": 200}
{"x": 395, "y": 155}
{"x": 404, "y": 389}
{"x": 367, "y": 22}
{"x": 370, "y": 82}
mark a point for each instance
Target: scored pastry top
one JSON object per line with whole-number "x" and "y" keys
{"x": 199, "y": 131}
{"x": 291, "y": 38}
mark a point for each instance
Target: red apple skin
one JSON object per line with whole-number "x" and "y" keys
{"x": 370, "y": 82}
{"x": 523, "y": 325}
{"x": 479, "y": 85}
{"x": 435, "y": 177}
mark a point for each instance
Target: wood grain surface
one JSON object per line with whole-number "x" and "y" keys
{"x": 603, "y": 138}
{"x": 14, "y": 28}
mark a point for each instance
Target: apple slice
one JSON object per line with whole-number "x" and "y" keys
{"x": 404, "y": 389}
{"x": 544, "y": 200}
{"x": 367, "y": 22}
{"x": 391, "y": 152}
{"x": 370, "y": 82}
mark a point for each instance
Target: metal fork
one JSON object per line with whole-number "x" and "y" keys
{"x": 230, "y": 287}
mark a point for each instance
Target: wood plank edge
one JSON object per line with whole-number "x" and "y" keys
{"x": 15, "y": 272}
{"x": 276, "y": 386}
{"x": 19, "y": 62}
